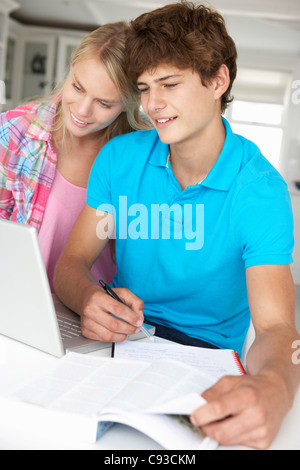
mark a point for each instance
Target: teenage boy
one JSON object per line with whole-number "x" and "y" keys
{"x": 203, "y": 226}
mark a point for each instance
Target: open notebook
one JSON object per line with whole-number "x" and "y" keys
{"x": 215, "y": 362}
{"x": 86, "y": 394}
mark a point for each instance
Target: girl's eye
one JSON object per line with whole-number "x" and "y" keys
{"x": 143, "y": 90}
{"x": 77, "y": 88}
{"x": 107, "y": 106}
{"x": 171, "y": 85}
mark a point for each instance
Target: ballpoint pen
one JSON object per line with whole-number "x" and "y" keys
{"x": 112, "y": 293}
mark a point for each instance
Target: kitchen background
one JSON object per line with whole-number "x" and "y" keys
{"x": 37, "y": 38}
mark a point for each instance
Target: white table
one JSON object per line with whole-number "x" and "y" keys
{"x": 19, "y": 362}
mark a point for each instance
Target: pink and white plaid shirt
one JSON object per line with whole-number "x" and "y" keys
{"x": 27, "y": 162}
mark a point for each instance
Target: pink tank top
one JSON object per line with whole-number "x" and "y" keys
{"x": 64, "y": 204}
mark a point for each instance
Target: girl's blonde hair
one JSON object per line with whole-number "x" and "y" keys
{"x": 108, "y": 44}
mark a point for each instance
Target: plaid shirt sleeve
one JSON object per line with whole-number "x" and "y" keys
{"x": 6, "y": 196}
{"x": 27, "y": 162}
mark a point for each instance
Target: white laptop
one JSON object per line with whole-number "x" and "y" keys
{"x": 29, "y": 313}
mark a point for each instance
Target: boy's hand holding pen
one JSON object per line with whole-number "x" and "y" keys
{"x": 113, "y": 294}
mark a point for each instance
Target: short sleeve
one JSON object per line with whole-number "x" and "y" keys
{"x": 264, "y": 223}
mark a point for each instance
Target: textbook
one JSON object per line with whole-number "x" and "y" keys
{"x": 85, "y": 395}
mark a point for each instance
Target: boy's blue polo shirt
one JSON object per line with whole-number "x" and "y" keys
{"x": 185, "y": 253}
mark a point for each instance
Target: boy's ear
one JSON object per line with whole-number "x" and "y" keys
{"x": 221, "y": 81}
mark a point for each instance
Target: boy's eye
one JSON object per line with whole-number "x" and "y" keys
{"x": 167, "y": 85}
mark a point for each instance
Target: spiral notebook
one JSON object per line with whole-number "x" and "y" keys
{"x": 215, "y": 362}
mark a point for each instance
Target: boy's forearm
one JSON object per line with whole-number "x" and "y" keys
{"x": 272, "y": 355}
{"x": 102, "y": 317}
{"x": 72, "y": 282}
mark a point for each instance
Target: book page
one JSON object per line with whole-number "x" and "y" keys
{"x": 157, "y": 386}
{"x": 89, "y": 385}
{"x": 214, "y": 362}
{"x": 80, "y": 384}
{"x": 172, "y": 434}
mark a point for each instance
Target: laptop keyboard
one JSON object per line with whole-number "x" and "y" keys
{"x": 68, "y": 328}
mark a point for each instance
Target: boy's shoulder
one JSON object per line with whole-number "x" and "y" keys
{"x": 135, "y": 139}
{"x": 254, "y": 165}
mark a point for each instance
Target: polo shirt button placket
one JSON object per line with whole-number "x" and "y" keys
{"x": 174, "y": 190}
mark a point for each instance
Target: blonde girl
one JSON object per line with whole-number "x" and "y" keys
{"x": 47, "y": 147}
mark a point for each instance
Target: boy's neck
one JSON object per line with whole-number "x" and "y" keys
{"x": 192, "y": 160}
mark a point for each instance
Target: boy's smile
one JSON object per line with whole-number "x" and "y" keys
{"x": 179, "y": 106}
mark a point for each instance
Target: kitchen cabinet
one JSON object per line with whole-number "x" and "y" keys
{"x": 36, "y": 67}
{"x": 6, "y": 6}
{"x": 36, "y": 60}
{"x": 66, "y": 46}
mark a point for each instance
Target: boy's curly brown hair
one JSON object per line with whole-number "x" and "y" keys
{"x": 182, "y": 34}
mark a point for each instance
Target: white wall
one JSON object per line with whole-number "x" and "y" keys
{"x": 268, "y": 44}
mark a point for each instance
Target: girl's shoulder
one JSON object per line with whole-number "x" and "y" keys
{"x": 16, "y": 123}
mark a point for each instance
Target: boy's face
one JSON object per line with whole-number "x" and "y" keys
{"x": 181, "y": 109}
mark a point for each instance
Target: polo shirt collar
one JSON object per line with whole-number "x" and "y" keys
{"x": 224, "y": 171}
{"x": 228, "y": 165}
{"x": 160, "y": 153}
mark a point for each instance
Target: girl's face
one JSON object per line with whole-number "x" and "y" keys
{"x": 90, "y": 100}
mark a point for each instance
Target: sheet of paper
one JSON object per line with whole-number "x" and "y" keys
{"x": 181, "y": 405}
{"x": 171, "y": 432}
{"x": 80, "y": 384}
{"x": 161, "y": 383}
{"x": 88, "y": 385}
{"x": 214, "y": 362}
